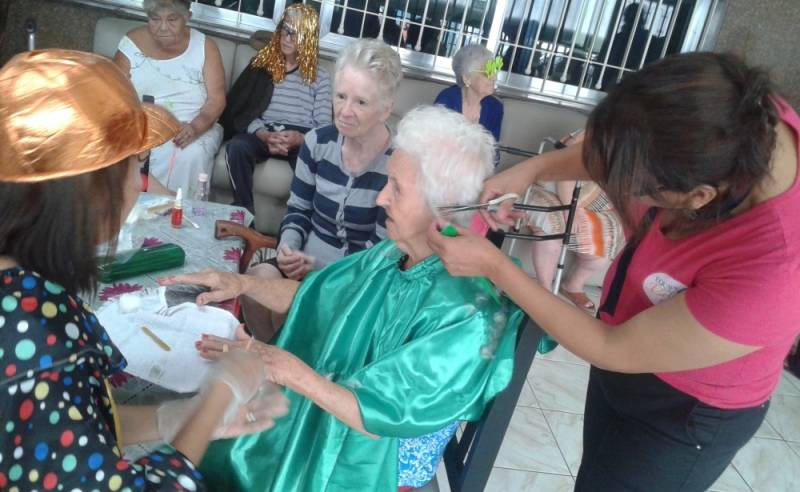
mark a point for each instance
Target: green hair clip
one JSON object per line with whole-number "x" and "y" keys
{"x": 492, "y": 67}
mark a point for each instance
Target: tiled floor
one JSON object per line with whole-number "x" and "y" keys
{"x": 542, "y": 448}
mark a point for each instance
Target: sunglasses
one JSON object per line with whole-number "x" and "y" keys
{"x": 492, "y": 67}
{"x": 289, "y": 32}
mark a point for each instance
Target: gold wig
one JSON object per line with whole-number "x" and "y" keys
{"x": 303, "y": 20}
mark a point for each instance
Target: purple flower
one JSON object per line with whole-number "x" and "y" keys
{"x": 115, "y": 290}
{"x": 233, "y": 254}
{"x": 151, "y": 241}
{"x": 237, "y": 216}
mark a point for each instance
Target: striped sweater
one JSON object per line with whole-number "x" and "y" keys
{"x": 299, "y": 104}
{"x": 331, "y": 211}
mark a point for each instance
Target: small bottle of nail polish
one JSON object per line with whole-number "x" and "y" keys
{"x": 177, "y": 210}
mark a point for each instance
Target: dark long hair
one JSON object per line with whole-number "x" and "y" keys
{"x": 687, "y": 120}
{"x": 53, "y": 227}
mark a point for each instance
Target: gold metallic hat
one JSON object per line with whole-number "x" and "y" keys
{"x": 64, "y": 113}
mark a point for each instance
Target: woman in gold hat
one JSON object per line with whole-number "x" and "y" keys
{"x": 72, "y": 133}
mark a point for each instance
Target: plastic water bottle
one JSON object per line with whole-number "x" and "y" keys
{"x": 200, "y": 195}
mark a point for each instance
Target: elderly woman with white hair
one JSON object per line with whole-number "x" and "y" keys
{"x": 340, "y": 170}
{"x": 181, "y": 69}
{"x": 476, "y": 75}
{"x": 383, "y": 351}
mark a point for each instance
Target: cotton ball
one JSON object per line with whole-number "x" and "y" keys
{"x": 129, "y": 303}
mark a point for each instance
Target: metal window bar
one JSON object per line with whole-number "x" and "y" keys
{"x": 581, "y": 12}
{"x": 587, "y": 63}
{"x": 671, "y": 28}
{"x": 650, "y": 34}
{"x": 554, "y": 45}
{"x": 630, "y": 41}
{"x": 534, "y": 31}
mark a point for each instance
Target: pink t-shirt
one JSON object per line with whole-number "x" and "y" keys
{"x": 742, "y": 282}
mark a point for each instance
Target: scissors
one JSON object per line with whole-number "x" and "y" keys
{"x": 492, "y": 205}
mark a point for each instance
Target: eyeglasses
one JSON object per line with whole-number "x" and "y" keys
{"x": 289, "y": 32}
{"x": 492, "y": 67}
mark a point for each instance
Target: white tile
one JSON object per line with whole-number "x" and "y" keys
{"x": 768, "y": 465}
{"x": 559, "y": 386}
{"x": 784, "y": 416}
{"x": 795, "y": 446}
{"x": 529, "y": 445}
{"x": 786, "y": 386}
{"x": 441, "y": 478}
{"x": 506, "y": 480}
{"x": 526, "y": 397}
{"x": 730, "y": 481}
{"x": 560, "y": 354}
{"x": 767, "y": 432}
{"x": 568, "y": 431}
{"x": 791, "y": 379}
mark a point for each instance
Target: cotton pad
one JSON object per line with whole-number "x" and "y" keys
{"x": 129, "y": 303}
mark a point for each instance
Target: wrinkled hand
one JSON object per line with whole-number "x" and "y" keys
{"x": 282, "y": 368}
{"x": 186, "y": 135}
{"x": 223, "y": 285}
{"x": 291, "y": 138}
{"x": 294, "y": 264}
{"x": 468, "y": 255}
{"x": 273, "y": 140}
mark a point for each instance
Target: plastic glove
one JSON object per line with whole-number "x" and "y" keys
{"x": 242, "y": 371}
{"x": 258, "y": 415}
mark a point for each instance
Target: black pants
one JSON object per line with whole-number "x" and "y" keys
{"x": 243, "y": 152}
{"x": 641, "y": 434}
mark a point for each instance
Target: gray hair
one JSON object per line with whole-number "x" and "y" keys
{"x": 377, "y": 58}
{"x": 181, "y": 7}
{"x": 454, "y": 155}
{"x": 469, "y": 58}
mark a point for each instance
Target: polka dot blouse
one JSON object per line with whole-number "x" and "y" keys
{"x": 57, "y": 428}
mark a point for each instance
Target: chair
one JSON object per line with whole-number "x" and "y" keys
{"x": 253, "y": 240}
{"x": 470, "y": 458}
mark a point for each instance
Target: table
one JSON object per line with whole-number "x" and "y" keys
{"x": 202, "y": 249}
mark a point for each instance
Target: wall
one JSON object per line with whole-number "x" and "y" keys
{"x": 766, "y": 33}
{"x": 61, "y": 25}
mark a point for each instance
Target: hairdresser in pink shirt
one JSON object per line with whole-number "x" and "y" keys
{"x": 699, "y": 154}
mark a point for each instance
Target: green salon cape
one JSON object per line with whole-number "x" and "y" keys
{"x": 418, "y": 349}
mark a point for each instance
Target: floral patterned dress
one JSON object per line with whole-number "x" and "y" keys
{"x": 59, "y": 428}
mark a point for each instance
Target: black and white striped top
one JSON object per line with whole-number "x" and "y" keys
{"x": 296, "y": 103}
{"x": 331, "y": 211}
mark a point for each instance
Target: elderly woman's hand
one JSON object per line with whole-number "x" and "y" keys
{"x": 468, "y": 255}
{"x": 282, "y": 368}
{"x": 292, "y": 139}
{"x": 186, "y": 135}
{"x": 223, "y": 285}
{"x": 294, "y": 264}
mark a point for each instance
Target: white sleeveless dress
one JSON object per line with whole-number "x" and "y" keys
{"x": 178, "y": 85}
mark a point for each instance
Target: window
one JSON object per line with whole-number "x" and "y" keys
{"x": 564, "y": 50}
